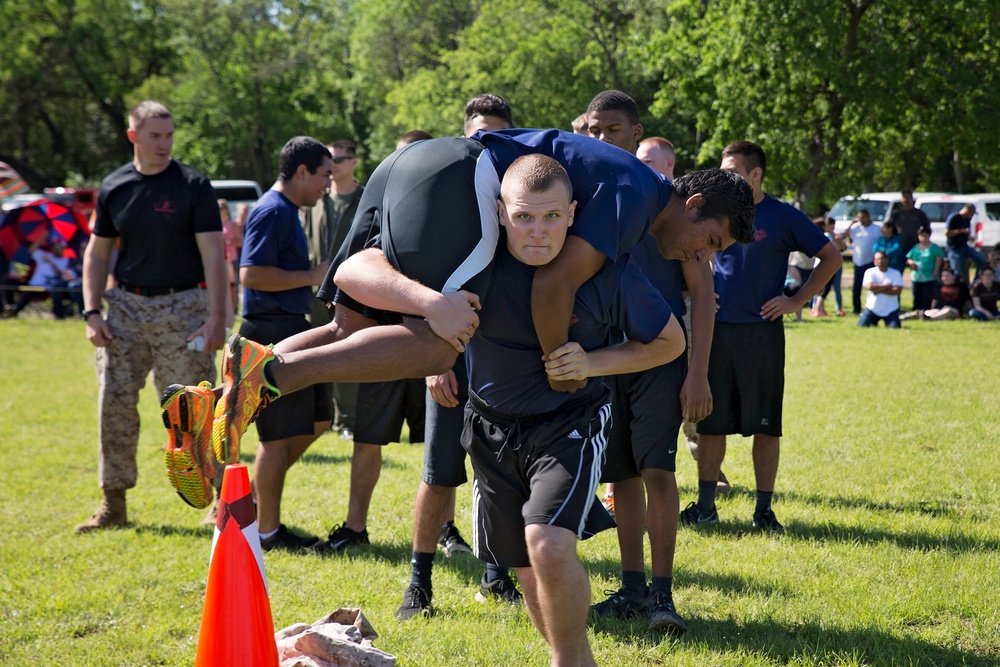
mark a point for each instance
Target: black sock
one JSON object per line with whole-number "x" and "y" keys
{"x": 662, "y": 585}
{"x": 634, "y": 581}
{"x": 495, "y": 572}
{"x": 421, "y": 564}
{"x": 706, "y": 495}
{"x": 763, "y": 501}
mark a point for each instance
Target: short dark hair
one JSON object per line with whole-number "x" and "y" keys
{"x": 536, "y": 173}
{"x": 414, "y": 136}
{"x": 891, "y": 225}
{"x": 986, "y": 268}
{"x": 753, "y": 155}
{"x": 489, "y": 105}
{"x": 906, "y": 193}
{"x": 865, "y": 211}
{"x": 299, "y": 151}
{"x": 343, "y": 144}
{"x": 138, "y": 114}
{"x": 615, "y": 100}
{"x": 726, "y": 195}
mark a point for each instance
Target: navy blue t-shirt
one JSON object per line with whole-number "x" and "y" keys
{"x": 957, "y": 221}
{"x": 665, "y": 275}
{"x": 747, "y": 276}
{"x": 504, "y": 357}
{"x": 617, "y": 195}
{"x": 274, "y": 237}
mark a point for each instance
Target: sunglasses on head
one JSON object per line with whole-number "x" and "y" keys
{"x": 341, "y": 160}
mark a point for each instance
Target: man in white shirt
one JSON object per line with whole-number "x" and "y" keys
{"x": 863, "y": 235}
{"x": 884, "y": 285}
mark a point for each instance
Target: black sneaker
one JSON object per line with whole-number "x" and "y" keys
{"x": 416, "y": 601}
{"x": 502, "y": 590}
{"x": 622, "y": 603}
{"x": 451, "y": 541}
{"x": 341, "y": 537}
{"x": 692, "y": 516}
{"x": 766, "y": 522}
{"x": 289, "y": 541}
{"x": 663, "y": 616}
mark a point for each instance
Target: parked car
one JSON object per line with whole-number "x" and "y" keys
{"x": 879, "y": 205}
{"x": 19, "y": 200}
{"x": 237, "y": 192}
{"x": 984, "y": 226}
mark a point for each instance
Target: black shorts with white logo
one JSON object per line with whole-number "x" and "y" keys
{"x": 746, "y": 371}
{"x": 537, "y": 469}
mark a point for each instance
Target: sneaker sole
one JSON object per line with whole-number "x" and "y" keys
{"x": 673, "y": 626}
{"x": 189, "y": 470}
{"x": 226, "y": 431}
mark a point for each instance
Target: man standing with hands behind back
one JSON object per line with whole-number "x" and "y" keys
{"x": 170, "y": 291}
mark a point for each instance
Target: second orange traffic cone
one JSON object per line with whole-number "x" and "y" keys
{"x": 236, "y": 625}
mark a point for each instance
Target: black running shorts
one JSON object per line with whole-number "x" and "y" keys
{"x": 746, "y": 371}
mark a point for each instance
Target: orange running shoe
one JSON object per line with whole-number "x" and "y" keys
{"x": 244, "y": 392}
{"x": 187, "y": 416}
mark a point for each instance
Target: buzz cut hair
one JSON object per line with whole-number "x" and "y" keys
{"x": 615, "y": 100}
{"x": 413, "y": 136}
{"x": 753, "y": 155}
{"x": 535, "y": 173}
{"x": 343, "y": 144}
{"x": 145, "y": 110}
{"x": 659, "y": 142}
{"x": 488, "y": 105}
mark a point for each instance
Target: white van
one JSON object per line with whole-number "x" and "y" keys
{"x": 879, "y": 205}
{"x": 237, "y": 192}
{"x": 984, "y": 226}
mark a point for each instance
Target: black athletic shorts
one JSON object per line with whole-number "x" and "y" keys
{"x": 537, "y": 469}
{"x": 646, "y": 408}
{"x": 431, "y": 206}
{"x": 746, "y": 371}
{"x": 297, "y": 413}
{"x": 444, "y": 457}
{"x": 382, "y": 407}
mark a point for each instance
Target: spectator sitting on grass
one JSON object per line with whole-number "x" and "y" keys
{"x": 952, "y": 297}
{"x": 884, "y": 284}
{"x": 984, "y": 296}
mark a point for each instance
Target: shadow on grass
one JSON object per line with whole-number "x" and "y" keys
{"x": 800, "y": 643}
{"x": 311, "y": 457}
{"x": 167, "y": 530}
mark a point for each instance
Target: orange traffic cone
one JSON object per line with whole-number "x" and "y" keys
{"x": 236, "y": 625}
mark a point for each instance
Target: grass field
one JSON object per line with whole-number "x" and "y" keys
{"x": 888, "y": 490}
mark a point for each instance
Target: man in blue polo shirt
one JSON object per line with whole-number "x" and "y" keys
{"x": 747, "y": 362}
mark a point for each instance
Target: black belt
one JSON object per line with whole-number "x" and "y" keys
{"x": 156, "y": 291}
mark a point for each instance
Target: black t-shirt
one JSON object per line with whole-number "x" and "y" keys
{"x": 952, "y": 295}
{"x": 157, "y": 218}
{"x": 909, "y": 223}
{"x": 987, "y": 295}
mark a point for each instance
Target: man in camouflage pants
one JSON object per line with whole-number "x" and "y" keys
{"x": 167, "y": 311}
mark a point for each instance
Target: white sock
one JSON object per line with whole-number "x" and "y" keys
{"x": 267, "y": 536}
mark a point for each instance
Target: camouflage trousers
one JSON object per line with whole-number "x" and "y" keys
{"x": 150, "y": 334}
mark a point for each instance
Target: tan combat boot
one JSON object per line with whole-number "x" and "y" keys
{"x": 111, "y": 513}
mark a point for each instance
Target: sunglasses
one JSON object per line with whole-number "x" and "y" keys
{"x": 341, "y": 160}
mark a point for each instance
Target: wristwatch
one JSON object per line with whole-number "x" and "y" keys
{"x": 87, "y": 313}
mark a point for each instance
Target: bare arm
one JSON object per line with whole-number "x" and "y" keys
{"x": 829, "y": 261}
{"x": 96, "y": 259}
{"x": 369, "y": 277}
{"x": 275, "y": 279}
{"x": 696, "y": 394}
{"x": 571, "y": 362}
{"x": 211, "y": 247}
{"x": 553, "y": 292}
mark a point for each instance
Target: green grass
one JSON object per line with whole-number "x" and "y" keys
{"x": 888, "y": 489}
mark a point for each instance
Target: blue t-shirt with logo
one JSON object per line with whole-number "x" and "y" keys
{"x": 618, "y": 197}
{"x": 505, "y": 358}
{"x": 747, "y": 276}
{"x": 274, "y": 237}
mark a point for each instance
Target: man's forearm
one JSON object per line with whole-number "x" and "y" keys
{"x": 633, "y": 356}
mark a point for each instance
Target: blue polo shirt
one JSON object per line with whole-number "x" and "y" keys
{"x": 274, "y": 237}
{"x": 747, "y": 276}
{"x": 505, "y": 358}
{"x": 663, "y": 274}
{"x": 618, "y": 197}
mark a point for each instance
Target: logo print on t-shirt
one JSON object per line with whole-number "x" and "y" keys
{"x": 759, "y": 235}
{"x": 165, "y": 206}
{"x": 573, "y": 319}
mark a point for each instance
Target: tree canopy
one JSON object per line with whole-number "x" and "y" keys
{"x": 844, "y": 95}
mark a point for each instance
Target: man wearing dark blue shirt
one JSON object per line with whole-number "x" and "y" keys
{"x": 958, "y": 249}
{"x": 747, "y": 363}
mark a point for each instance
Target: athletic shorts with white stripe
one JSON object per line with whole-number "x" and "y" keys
{"x": 534, "y": 469}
